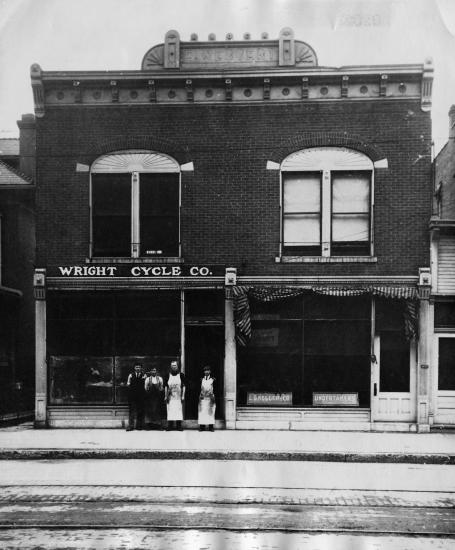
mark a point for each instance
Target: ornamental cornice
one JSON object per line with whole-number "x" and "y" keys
{"x": 64, "y": 89}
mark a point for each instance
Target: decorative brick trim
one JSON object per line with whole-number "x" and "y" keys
{"x": 147, "y": 143}
{"x": 327, "y": 139}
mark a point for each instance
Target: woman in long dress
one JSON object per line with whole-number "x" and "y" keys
{"x": 207, "y": 405}
{"x": 174, "y": 396}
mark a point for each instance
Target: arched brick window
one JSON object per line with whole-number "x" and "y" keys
{"x": 135, "y": 203}
{"x": 327, "y": 203}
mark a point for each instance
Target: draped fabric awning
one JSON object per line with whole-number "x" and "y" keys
{"x": 242, "y": 294}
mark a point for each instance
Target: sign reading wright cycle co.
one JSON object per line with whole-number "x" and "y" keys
{"x": 136, "y": 270}
{"x": 335, "y": 399}
{"x": 269, "y": 398}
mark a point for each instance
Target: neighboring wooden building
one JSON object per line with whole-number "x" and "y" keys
{"x": 442, "y": 227}
{"x": 235, "y": 203}
{"x": 17, "y": 263}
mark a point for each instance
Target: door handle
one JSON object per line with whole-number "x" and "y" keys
{"x": 375, "y": 389}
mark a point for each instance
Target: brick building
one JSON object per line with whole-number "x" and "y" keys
{"x": 17, "y": 253}
{"x": 442, "y": 228}
{"x": 236, "y": 203}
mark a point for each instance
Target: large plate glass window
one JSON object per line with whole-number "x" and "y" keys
{"x": 94, "y": 339}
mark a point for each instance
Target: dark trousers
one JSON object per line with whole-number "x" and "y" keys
{"x": 136, "y": 414}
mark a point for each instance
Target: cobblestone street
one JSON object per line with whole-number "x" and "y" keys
{"x": 213, "y": 504}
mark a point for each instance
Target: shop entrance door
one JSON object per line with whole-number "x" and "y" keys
{"x": 393, "y": 379}
{"x": 444, "y": 379}
{"x": 204, "y": 345}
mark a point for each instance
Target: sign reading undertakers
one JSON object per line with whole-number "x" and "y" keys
{"x": 335, "y": 399}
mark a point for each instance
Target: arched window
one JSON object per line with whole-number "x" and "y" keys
{"x": 327, "y": 203}
{"x": 135, "y": 198}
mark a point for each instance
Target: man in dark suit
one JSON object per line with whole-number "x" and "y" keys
{"x": 136, "y": 398}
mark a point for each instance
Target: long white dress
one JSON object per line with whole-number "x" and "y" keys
{"x": 174, "y": 403}
{"x": 207, "y": 406}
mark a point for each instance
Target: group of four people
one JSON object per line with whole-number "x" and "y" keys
{"x": 147, "y": 395}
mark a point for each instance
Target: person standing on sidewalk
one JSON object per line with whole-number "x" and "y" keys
{"x": 207, "y": 406}
{"x": 174, "y": 396}
{"x": 154, "y": 388}
{"x": 136, "y": 395}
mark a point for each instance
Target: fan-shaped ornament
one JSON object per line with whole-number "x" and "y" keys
{"x": 327, "y": 158}
{"x": 134, "y": 161}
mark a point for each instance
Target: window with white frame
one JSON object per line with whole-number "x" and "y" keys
{"x": 135, "y": 205}
{"x": 327, "y": 203}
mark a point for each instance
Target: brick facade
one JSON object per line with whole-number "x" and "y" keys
{"x": 230, "y": 203}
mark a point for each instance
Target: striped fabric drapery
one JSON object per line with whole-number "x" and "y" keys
{"x": 242, "y": 294}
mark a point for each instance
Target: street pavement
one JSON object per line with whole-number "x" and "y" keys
{"x": 291, "y": 496}
{"x": 231, "y": 473}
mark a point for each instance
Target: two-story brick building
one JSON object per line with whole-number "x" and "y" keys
{"x": 236, "y": 203}
{"x": 442, "y": 227}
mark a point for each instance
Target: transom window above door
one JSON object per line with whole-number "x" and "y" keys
{"x": 327, "y": 203}
{"x": 135, "y": 205}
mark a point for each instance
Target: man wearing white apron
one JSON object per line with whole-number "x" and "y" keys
{"x": 207, "y": 406}
{"x": 174, "y": 396}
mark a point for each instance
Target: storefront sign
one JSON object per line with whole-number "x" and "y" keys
{"x": 335, "y": 399}
{"x": 265, "y": 338}
{"x": 136, "y": 270}
{"x": 268, "y": 398}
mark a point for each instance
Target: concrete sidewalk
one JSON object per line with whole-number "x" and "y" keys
{"x": 23, "y": 442}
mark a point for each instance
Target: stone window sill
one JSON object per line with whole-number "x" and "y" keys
{"x": 326, "y": 259}
{"x": 157, "y": 260}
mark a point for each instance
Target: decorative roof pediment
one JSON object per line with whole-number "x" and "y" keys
{"x": 134, "y": 161}
{"x": 229, "y": 54}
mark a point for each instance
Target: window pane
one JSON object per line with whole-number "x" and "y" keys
{"x": 350, "y": 193}
{"x": 444, "y": 315}
{"x": 159, "y": 236}
{"x": 272, "y": 362}
{"x": 111, "y": 214}
{"x": 337, "y": 358}
{"x": 446, "y": 364}
{"x": 302, "y": 193}
{"x": 204, "y": 303}
{"x": 80, "y": 379}
{"x": 159, "y": 214}
{"x": 77, "y": 305}
{"x": 337, "y": 308}
{"x": 301, "y": 229}
{"x": 80, "y": 337}
{"x": 148, "y": 305}
{"x": 394, "y": 362}
{"x": 350, "y": 227}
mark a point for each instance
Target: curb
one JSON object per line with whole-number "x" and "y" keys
{"x": 71, "y": 454}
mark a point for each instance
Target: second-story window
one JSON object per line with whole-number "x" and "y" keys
{"x": 327, "y": 203}
{"x": 135, "y": 204}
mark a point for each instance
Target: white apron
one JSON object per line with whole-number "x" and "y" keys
{"x": 207, "y": 406}
{"x": 174, "y": 404}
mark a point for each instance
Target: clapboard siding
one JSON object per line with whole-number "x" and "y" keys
{"x": 446, "y": 265}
